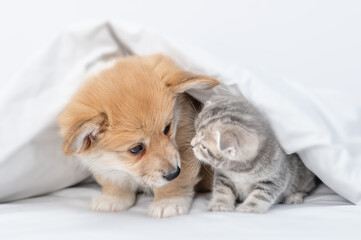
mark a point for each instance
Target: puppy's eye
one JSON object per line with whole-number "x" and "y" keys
{"x": 166, "y": 129}
{"x": 137, "y": 149}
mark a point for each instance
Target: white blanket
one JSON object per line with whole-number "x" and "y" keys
{"x": 323, "y": 127}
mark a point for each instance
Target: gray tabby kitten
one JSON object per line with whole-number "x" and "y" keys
{"x": 250, "y": 165}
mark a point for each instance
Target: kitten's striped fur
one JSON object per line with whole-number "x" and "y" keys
{"x": 250, "y": 165}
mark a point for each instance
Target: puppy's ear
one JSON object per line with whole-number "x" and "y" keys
{"x": 176, "y": 79}
{"x": 187, "y": 81}
{"x": 84, "y": 134}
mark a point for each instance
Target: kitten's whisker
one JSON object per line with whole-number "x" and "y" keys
{"x": 206, "y": 167}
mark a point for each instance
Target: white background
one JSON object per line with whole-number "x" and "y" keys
{"x": 316, "y": 43}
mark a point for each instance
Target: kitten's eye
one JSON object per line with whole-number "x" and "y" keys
{"x": 137, "y": 149}
{"x": 166, "y": 129}
{"x": 203, "y": 147}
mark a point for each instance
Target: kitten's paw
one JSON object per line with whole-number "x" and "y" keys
{"x": 169, "y": 207}
{"x": 295, "y": 198}
{"x": 107, "y": 203}
{"x": 248, "y": 209}
{"x": 220, "y": 207}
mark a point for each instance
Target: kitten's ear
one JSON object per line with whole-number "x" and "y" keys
{"x": 176, "y": 79}
{"x": 228, "y": 143}
{"x": 83, "y": 134}
{"x": 236, "y": 143}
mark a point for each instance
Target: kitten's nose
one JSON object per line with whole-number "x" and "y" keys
{"x": 172, "y": 175}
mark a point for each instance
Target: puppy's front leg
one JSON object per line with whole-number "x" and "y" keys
{"x": 115, "y": 197}
{"x": 176, "y": 197}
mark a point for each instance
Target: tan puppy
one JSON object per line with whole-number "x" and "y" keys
{"x": 131, "y": 125}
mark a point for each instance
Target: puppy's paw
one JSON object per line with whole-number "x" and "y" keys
{"x": 169, "y": 207}
{"x": 220, "y": 207}
{"x": 295, "y": 198}
{"x": 248, "y": 209}
{"x": 107, "y": 203}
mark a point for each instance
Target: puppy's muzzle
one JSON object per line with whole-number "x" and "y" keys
{"x": 172, "y": 175}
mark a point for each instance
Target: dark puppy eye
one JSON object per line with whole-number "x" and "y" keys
{"x": 137, "y": 149}
{"x": 166, "y": 129}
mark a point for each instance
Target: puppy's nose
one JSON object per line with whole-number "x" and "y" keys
{"x": 172, "y": 175}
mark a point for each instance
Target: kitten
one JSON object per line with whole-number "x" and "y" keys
{"x": 250, "y": 165}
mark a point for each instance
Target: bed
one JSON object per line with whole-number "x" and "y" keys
{"x": 66, "y": 214}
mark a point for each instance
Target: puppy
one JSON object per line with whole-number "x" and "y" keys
{"x": 131, "y": 126}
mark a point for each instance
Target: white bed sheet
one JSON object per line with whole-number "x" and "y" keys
{"x": 66, "y": 214}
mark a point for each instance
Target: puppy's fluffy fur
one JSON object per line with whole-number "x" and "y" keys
{"x": 128, "y": 108}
